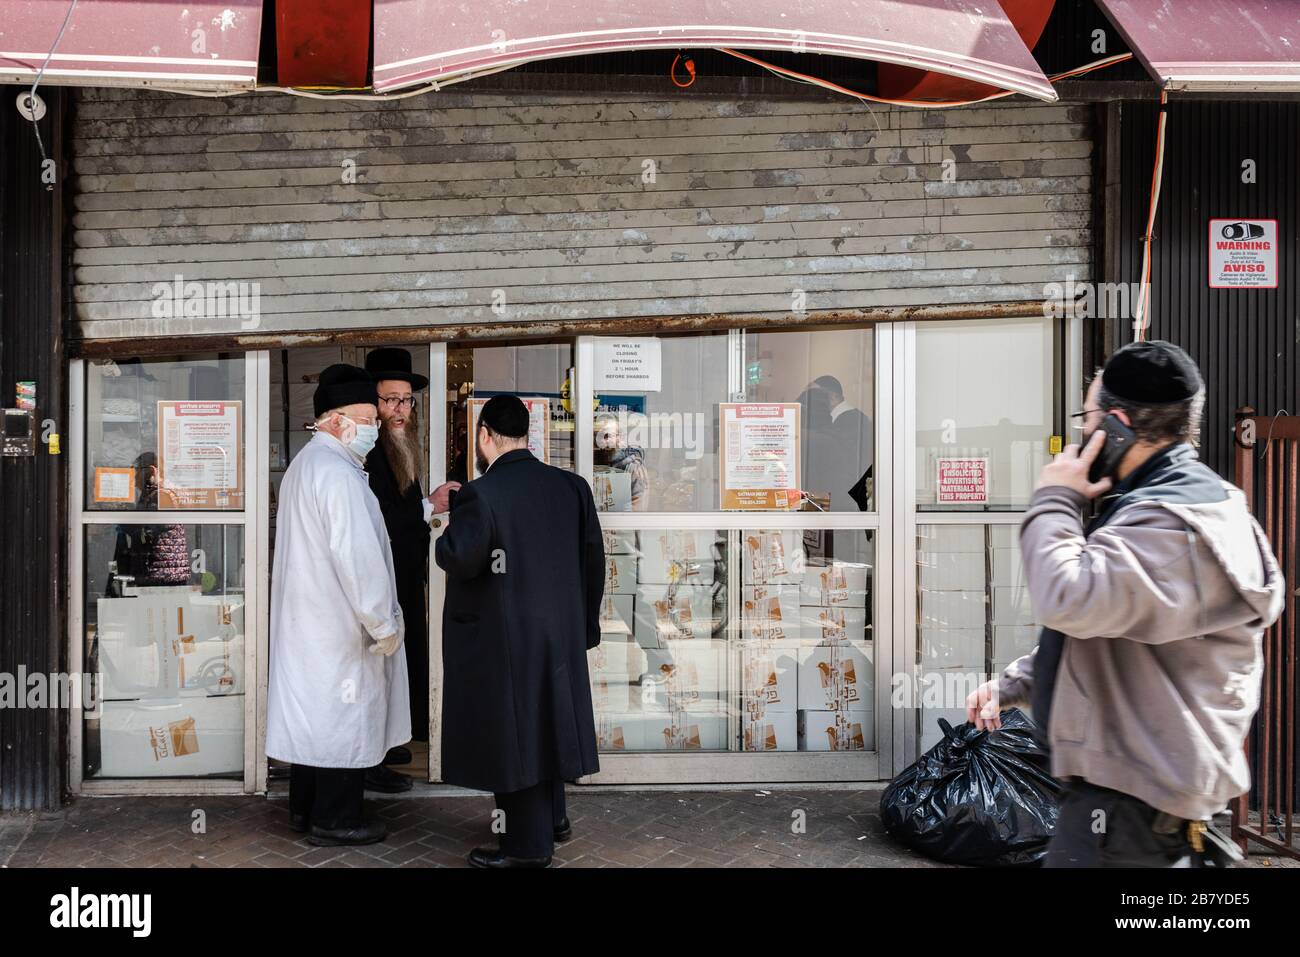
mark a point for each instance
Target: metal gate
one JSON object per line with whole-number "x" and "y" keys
{"x": 1268, "y": 463}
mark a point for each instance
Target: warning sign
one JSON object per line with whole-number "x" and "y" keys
{"x": 964, "y": 481}
{"x": 1243, "y": 254}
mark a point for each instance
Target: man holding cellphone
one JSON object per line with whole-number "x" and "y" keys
{"x": 1147, "y": 674}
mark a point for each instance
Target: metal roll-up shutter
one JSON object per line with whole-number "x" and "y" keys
{"x": 456, "y": 208}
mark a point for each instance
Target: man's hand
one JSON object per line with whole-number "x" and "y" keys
{"x": 386, "y": 646}
{"x": 1070, "y": 468}
{"x": 440, "y": 498}
{"x": 982, "y": 707}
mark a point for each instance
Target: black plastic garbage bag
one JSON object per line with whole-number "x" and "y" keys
{"x": 982, "y": 798}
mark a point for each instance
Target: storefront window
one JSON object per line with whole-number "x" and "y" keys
{"x": 984, "y": 395}
{"x": 973, "y": 615}
{"x": 165, "y": 435}
{"x": 539, "y": 374}
{"x": 164, "y": 619}
{"x": 788, "y": 665}
{"x": 656, "y": 419}
{"x": 830, "y": 374}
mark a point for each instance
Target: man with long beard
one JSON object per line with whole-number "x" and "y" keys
{"x": 394, "y": 470}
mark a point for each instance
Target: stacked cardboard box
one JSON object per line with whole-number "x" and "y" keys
{"x": 180, "y": 737}
{"x": 170, "y": 643}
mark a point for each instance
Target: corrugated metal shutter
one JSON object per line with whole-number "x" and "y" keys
{"x": 563, "y": 207}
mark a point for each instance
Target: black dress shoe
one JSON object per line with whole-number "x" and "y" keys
{"x": 371, "y": 832}
{"x": 299, "y": 822}
{"x": 496, "y": 859}
{"x": 563, "y": 831}
{"x": 398, "y": 755}
{"x": 387, "y": 781}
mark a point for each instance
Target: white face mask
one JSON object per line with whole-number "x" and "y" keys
{"x": 359, "y": 439}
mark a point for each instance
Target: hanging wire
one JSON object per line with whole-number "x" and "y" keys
{"x": 36, "y": 126}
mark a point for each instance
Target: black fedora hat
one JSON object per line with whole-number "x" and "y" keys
{"x": 393, "y": 363}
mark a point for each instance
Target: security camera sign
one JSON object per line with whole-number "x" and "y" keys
{"x": 1243, "y": 253}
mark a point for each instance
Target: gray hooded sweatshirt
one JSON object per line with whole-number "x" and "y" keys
{"x": 1163, "y": 605}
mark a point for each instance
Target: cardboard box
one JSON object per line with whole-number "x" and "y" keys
{"x": 684, "y": 674}
{"x": 835, "y": 584}
{"x": 770, "y": 612}
{"x": 177, "y": 738}
{"x": 951, "y": 571}
{"x": 1008, "y": 567}
{"x": 620, "y": 574}
{"x": 613, "y": 658}
{"x": 1013, "y": 641}
{"x": 667, "y": 614}
{"x": 952, "y": 647}
{"x": 1004, "y": 536}
{"x": 952, "y": 609}
{"x": 685, "y": 731}
{"x": 673, "y": 555}
{"x": 772, "y": 557}
{"x": 620, "y": 732}
{"x": 612, "y": 491}
{"x": 610, "y": 693}
{"x": 617, "y": 616}
{"x": 1011, "y": 606}
{"x": 833, "y": 625}
{"x": 931, "y": 733}
{"x": 951, "y": 538}
{"x": 769, "y": 675}
{"x": 772, "y": 731}
{"x": 169, "y": 643}
{"x": 836, "y": 731}
{"x": 837, "y": 677}
{"x": 619, "y": 542}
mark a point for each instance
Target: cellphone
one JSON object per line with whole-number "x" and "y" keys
{"x": 1119, "y": 439}
{"x": 451, "y": 499}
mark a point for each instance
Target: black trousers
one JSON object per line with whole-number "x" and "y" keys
{"x": 531, "y": 816}
{"x": 1098, "y": 827}
{"x": 329, "y": 797}
{"x": 416, "y": 644}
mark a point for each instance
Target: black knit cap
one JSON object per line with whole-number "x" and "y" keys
{"x": 1153, "y": 373}
{"x": 342, "y": 384}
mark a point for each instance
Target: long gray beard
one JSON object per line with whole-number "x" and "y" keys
{"x": 403, "y": 451}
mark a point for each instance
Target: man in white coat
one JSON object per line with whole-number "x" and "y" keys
{"x": 338, "y": 697}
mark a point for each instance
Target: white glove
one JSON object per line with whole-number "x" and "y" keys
{"x": 387, "y": 645}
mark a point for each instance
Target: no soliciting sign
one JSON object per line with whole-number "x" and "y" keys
{"x": 1243, "y": 254}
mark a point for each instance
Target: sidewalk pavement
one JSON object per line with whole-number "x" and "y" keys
{"x": 436, "y": 827}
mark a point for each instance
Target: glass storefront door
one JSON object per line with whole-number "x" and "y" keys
{"x": 810, "y": 538}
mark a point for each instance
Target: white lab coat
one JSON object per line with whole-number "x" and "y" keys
{"x": 332, "y": 704}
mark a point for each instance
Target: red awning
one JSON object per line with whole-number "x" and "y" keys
{"x": 418, "y": 41}
{"x": 173, "y": 44}
{"x": 1237, "y": 45}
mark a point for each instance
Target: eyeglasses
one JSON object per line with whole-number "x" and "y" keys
{"x": 1076, "y": 418}
{"x": 398, "y": 401}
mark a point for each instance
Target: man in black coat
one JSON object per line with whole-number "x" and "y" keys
{"x": 525, "y": 568}
{"x": 851, "y": 427}
{"x": 393, "y": 467}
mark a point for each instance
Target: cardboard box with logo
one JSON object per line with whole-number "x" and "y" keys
{"x": 770, "y": 612}
{"x": 177, "y": 738}
{"x": 837, "y": 584}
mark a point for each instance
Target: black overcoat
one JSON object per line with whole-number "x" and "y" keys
{"x": 408, "y": 534}
{"x": 525, "y": 568}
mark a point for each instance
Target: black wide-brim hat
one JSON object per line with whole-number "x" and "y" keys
{"x": 343, "y": 385}
{"x": 392, "y": 363}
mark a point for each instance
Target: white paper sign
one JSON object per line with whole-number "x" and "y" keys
{"x": 628, "y": 365}
{"x": 1243, "y": 253}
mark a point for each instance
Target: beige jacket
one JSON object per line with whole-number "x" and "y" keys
{"x": 1160, "y": 677}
